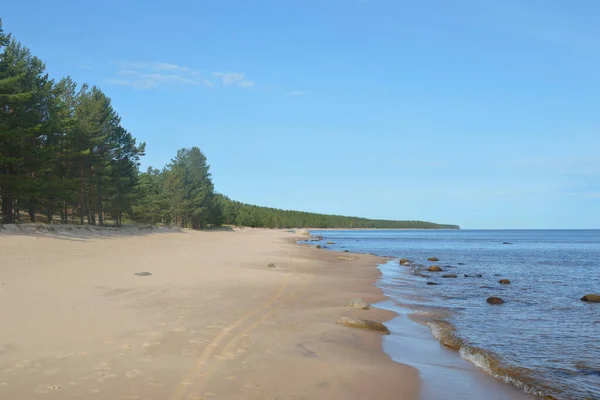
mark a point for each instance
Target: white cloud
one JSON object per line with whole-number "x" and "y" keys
{"x": 233, "y": 78}
{"x": 151, "y": 75}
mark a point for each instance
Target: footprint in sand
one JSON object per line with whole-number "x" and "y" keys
{"x": 132, "y": 373}
{"x": 102, "y": 376}
{"x": 186, "y": 353}
{"x": 19, "y": 365}
{"x": 35, "y": 367}
{"x": 103, "y": 366}
{"x": 46, "y": 389}
{"x": 151, "y": 381}
{"x": 163, "y": 323}
{"x": 126, "y": 346}
{"x": 3, "y": 383}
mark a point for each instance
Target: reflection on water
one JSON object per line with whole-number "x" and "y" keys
{"x": 543, "y": 339}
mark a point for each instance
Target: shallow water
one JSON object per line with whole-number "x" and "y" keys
{"x": 543, "y": 339}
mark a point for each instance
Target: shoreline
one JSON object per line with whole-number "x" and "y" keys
{"x": 444, "y": 372}
{"x": 210, "y": 319}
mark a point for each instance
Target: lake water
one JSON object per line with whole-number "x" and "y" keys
{"x": 543, "y": 339}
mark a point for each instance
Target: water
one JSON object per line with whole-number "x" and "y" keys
{"x": 543, "y": 339}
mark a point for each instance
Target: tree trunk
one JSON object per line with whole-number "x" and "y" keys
{"x": 31, "y": 211}
{"x": 7, "y": 209}
{"x": 100, "y": 210}
{"x": 49, "y": 214}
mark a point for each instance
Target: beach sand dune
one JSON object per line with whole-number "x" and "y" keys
{"x": 209, "y": 320}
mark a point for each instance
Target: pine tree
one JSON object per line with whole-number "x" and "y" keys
{"x": 23, "y": 113}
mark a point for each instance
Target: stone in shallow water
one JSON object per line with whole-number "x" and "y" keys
{"x": 364, "y": 324}
{"x": 495, "y": 300}
{"x": 142, "y": 273}
{"x": 595, "y": 298}
{"x": 504, "y": 281}
{"x": 358, "y": 303}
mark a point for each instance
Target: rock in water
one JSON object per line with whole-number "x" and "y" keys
{"x": 594, "y": 298}
{"x": 434, "y": 268}
{"x": 271, "y": 265}
{"x": 449, "y": 276}
{"x": 318, "y": 246}
{"x": 495, "y": 300}
{"x": 504, "y": 281}
{"x": 432, "y": 283}
{"x": 142, "y": 273}
{"x": 364, "y": 324}
{"x": 346, "y": 251}
{"x": 405, "y": 261}
{"x": 330, "y": 243}
{"x": 358, "y": 303}
{"x": 474, "y": 276}
{"x": 506, "y": 243}
{"x": 432, "y": 259}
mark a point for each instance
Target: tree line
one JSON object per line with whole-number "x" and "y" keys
{"x": 64, "y": 155}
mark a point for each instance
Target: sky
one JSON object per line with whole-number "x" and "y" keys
{"x": 484, "y": 114}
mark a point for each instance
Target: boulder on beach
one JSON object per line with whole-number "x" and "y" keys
{"x": 318, "y": 246}
{"x": 594, "y": 298}
{"x": 303, "y": 232}
{"x": 358, "y": 303}
{"x": 495, "y": 300}
{"x": 449, "y": 276}
{"x": 504, "y": 281}
{"x": 432, "y": 259}
{"x": 432, "y": 283}
{"x": 271, "y": 265}
{"x": 434, "y": 268}
{"x": 405, "y": 261}
{"x": 346, "y": 251}
{"x": 364, "y": 324}
{"x": 142, "y": 273}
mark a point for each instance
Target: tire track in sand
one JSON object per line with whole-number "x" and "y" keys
{"x": 196, "y": 372}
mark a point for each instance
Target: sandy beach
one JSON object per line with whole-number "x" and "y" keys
{"x": 211, "y": 321}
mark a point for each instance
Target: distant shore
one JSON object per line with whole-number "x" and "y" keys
{"x": 162, "y": 314}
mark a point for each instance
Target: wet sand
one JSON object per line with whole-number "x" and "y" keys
{"x": 211, "y": 321}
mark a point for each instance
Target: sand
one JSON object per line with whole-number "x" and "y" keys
{"x": 211, "y": 321}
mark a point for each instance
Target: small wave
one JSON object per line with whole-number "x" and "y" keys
{"x": 446, "y": 334}
{"x": 491, "y": 364}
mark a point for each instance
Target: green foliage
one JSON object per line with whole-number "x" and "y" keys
{"x": 236, "y": 213}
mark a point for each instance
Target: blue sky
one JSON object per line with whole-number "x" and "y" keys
{"x": 480, "y": 113}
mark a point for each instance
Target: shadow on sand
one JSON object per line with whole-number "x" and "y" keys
{"x": 82, "y": 233}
